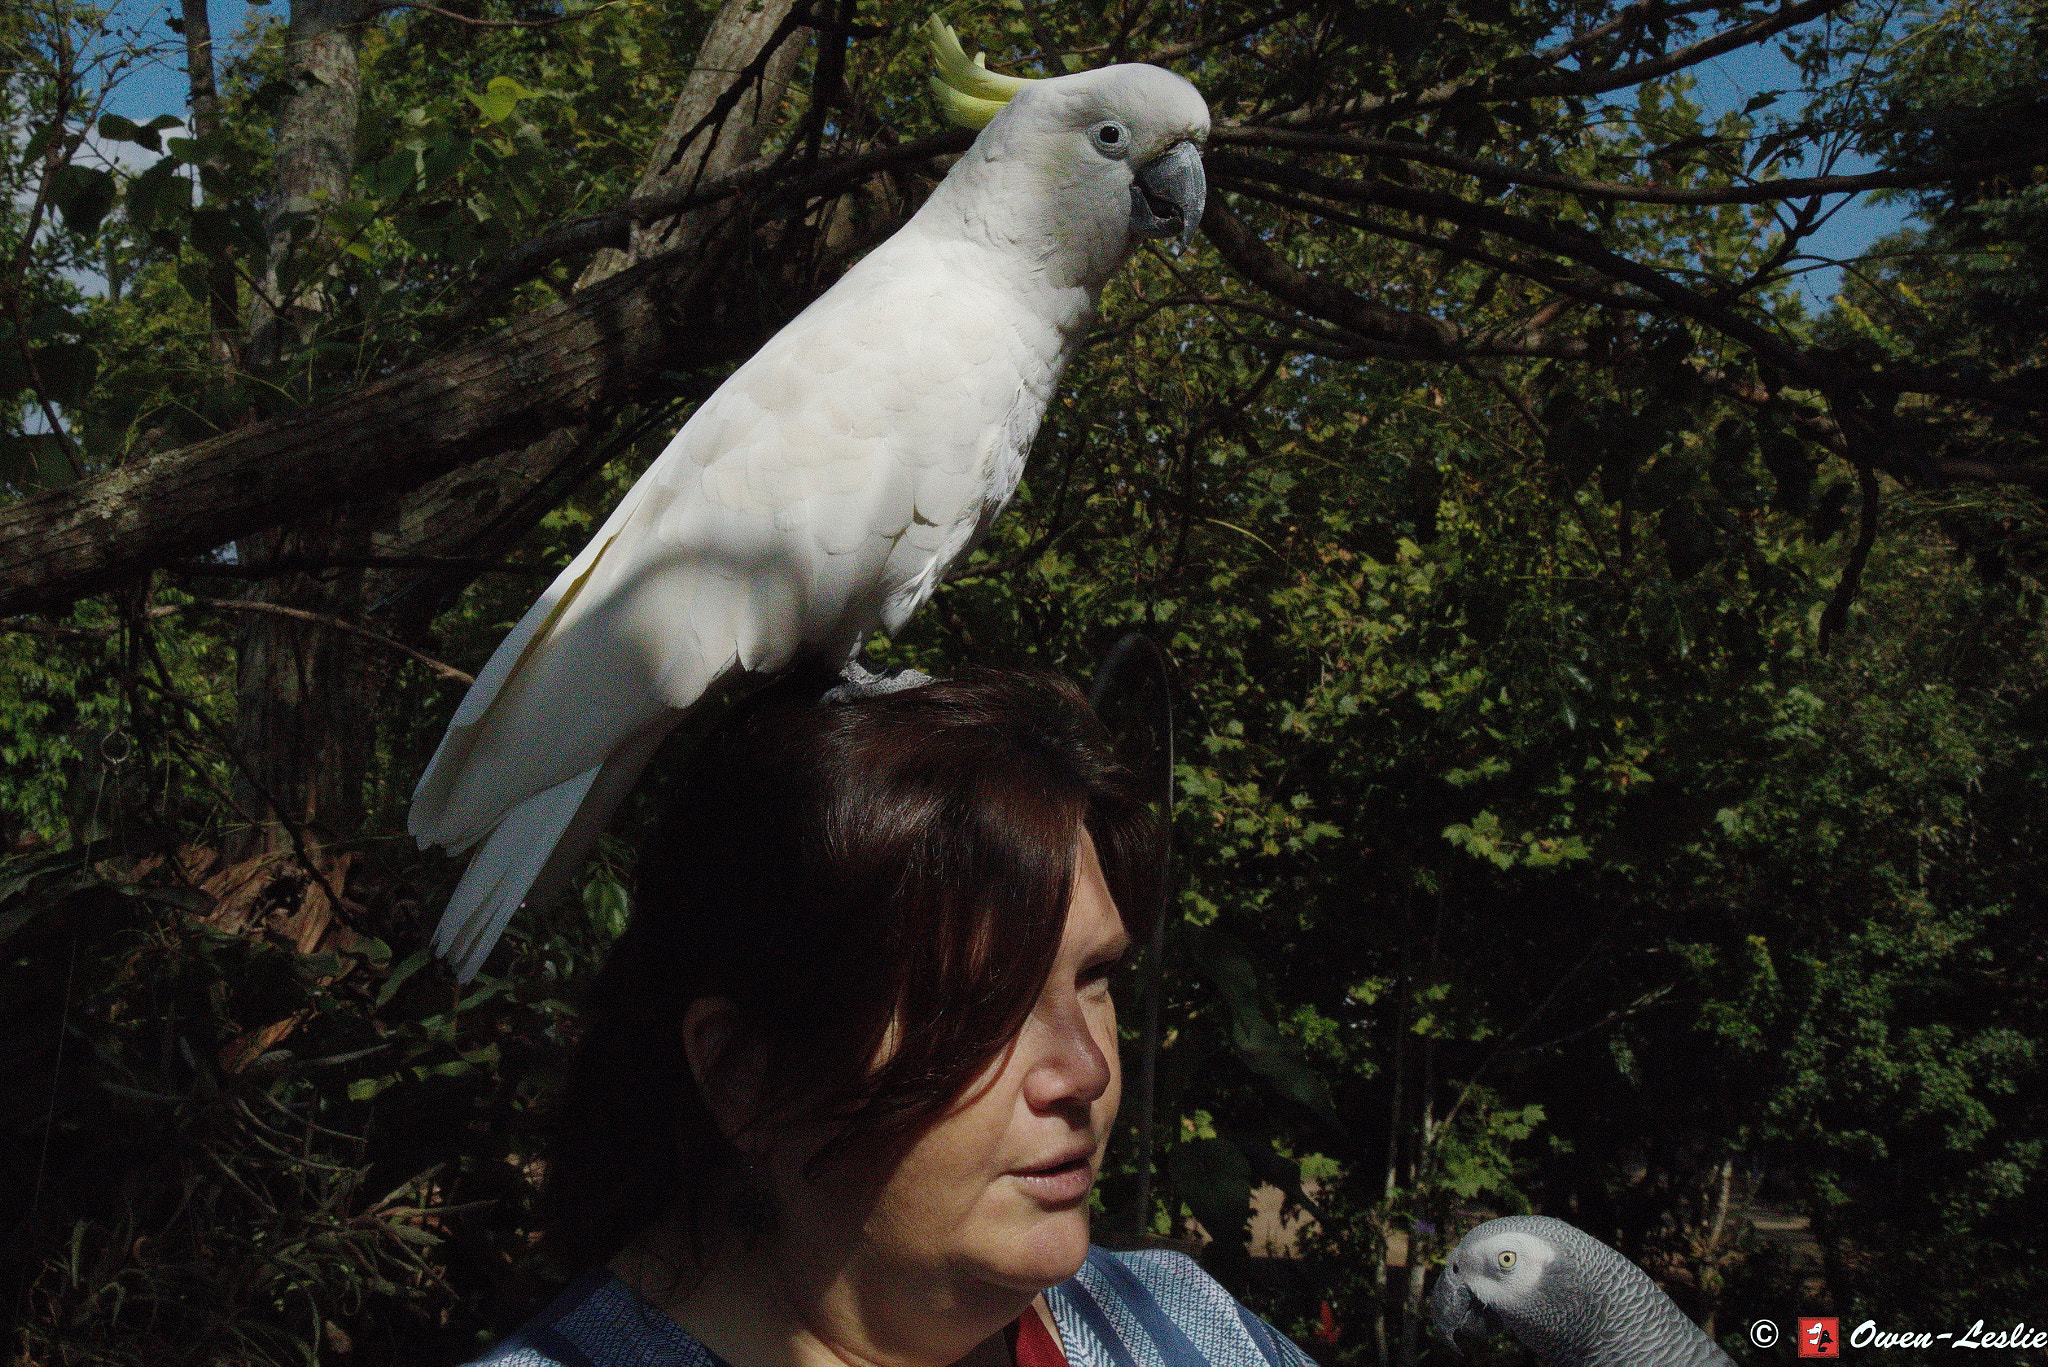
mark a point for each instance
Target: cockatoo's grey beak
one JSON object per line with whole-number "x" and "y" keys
{"x": 1167, "y": 200}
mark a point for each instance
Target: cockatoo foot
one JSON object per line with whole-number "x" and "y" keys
{"x": 859, "y": 682}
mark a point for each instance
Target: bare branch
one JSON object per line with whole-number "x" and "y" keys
{"x": 1568, "y": 243}
{"x": 1540, "y": 270}
{"x": 1585, "y": 83}
{"x": 2027, "y": 389}
{"x": 555, "y": 368}
{"x": 36, "y": 626}
{"x": 1631, "y": 16}
{"x": 1762, "y": 192}
{"x": 295, "y": 564}
{"x": 593, "y": 11}
{"x": 445, "y": 671}
{"x": 1836, "y": 614}
{"x": 613, "y": 227}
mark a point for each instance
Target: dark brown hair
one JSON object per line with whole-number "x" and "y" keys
{"x": 833, "y": 869}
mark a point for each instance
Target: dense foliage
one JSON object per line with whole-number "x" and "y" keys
{"x": 1610, "y": 759}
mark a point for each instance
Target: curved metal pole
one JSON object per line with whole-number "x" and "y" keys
{"x": 1153, "y": 987}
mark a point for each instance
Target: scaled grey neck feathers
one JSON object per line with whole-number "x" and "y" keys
{"x": 1569, "y": 1298}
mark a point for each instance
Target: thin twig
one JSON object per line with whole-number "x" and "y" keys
{"x": 296, "y": 564}
{"x": 242, "y": 766}
{"x": 36, "y": 626}
{"x": 445, "y": 671}
{"x": 489, "y": 23}
{"x": 1761, "y": 192}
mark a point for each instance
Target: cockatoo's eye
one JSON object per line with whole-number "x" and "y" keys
{"x": 1507, "y": 1259}
{"x": 1111, "y": 138}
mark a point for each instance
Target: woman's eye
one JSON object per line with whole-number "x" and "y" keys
{"x": 1102, "y": 972}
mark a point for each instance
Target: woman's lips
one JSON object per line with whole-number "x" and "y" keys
{"x": 1059, "y": 1184}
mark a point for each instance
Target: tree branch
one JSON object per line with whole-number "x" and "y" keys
{"x": 614, "y": 227}
{"x": 1539, "y": 270}
{"x": 488, "y": 23}
{"x": 1836, "y": 615}
{"x": 1762, "y": 192}
{"x": 1418, "y": 335}
{"x": 2027, "y": 389}
{"x": 445, "y": 671}
{"x": 292, "y": 564}
{"x": 563, "y": 365}
{"x": 1585, "y": 83}
{"x": 36, "y": 626}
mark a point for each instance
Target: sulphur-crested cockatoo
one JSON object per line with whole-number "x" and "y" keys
{"x": 1570, "y": 1299}
{"x": 825, "y": 488}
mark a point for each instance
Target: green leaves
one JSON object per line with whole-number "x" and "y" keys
{"x": 1253, "y": 1038}
{"x": 1484, "y": 838}
{"x": 114, "y": 127}
{"x": 161, "y": 197}
{"x": 1214, "y": 1178}
{"x": 83, "y": 195}
{"x": 32, "y": 462}
{"x": 499, "y": 99}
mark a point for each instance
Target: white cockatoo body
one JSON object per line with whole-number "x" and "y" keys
{"x": 823, "y": 490}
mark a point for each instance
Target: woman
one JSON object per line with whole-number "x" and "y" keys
{"x": 847, "y": 1077}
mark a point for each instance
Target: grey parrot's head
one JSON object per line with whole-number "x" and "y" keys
{"x": 1077, "y": 167}
{"x": 1522, "y": 1275}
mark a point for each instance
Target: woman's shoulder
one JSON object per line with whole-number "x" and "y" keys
{"x": 1157, "y": 1305}
{"x": 598, "y": 1321}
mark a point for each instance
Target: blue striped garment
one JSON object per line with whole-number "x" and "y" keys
{"x": 1146, "y": 1309}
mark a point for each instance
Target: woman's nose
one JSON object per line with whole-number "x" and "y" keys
{"x": 1073, "y": 1064}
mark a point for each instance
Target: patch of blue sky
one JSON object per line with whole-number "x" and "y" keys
{"x": 157, "y": 85}
{"x": 139, "y": 65}
{"x": 1726, "y": 84}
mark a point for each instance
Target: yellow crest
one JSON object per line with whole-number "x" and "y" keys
{"x": 968, "y": 91}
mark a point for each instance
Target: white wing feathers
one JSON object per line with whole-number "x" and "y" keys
{"x": 503, "y": 871}
{"x": 535, "y": 851}
{"x": 826, "y": 484}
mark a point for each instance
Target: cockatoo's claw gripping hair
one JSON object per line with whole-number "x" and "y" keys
{"x": 968, "y": 91}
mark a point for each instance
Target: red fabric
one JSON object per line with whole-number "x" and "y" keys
{"x": 1034, "y": 1345}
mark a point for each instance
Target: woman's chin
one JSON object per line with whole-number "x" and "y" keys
{"x": 1048, "y": 1252}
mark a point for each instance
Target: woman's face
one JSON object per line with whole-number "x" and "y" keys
{"x": 995, "y": 1194}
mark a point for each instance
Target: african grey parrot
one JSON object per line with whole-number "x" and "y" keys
{"x": 1570, "y": 1299}
{"x": 827, "y": 486}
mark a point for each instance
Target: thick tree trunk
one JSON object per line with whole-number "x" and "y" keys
{"x": 316, "y": 153}
{"x": 305, "y": 701}
{"x": 571, "y": 363}
{"x": 304, "y": 694}
{"x": 697, "y": 146}
{"x": 222, "y": 304}
{"x": 480, "y": 513}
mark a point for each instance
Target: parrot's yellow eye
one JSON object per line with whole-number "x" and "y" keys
{"x": 1507, "y": 1259}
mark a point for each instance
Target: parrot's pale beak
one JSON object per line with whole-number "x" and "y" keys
{"x": 1168, "y": 197}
